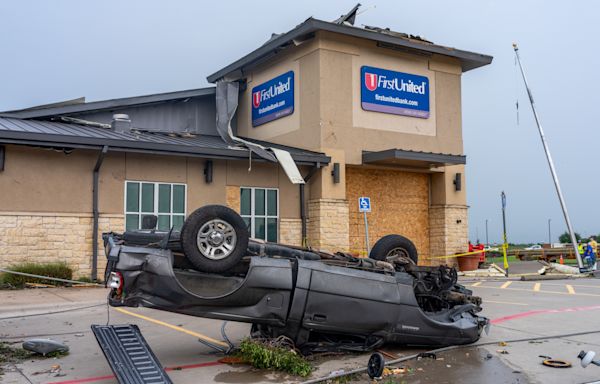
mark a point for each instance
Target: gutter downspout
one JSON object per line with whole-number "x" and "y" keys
{"x": 96, "y": 213}
{"x": 303, "y": 217}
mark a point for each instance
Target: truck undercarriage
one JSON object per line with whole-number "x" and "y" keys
{"x": 321, "y": 301}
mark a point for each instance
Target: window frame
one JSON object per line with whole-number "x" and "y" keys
{"x": 155, "y": 207}
{"x": 266, "y": 216}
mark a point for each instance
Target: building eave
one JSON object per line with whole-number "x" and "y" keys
{"x": 469, "y": 60}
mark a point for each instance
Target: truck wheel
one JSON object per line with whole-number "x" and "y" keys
{"x": 391, "y": 247}
{"x": 214, "y": 238}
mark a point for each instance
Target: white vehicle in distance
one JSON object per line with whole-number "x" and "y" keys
{"x": 535, "y": 247}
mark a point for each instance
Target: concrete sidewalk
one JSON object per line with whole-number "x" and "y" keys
{"x": 40, "y": 300}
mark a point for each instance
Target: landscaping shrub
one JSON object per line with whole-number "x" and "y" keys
{"x": 263, "y": 356}
{"x": 59, "y": 270}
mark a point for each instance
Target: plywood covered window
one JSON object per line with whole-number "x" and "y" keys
{"x": 259, "y": 207}
{"x": 165, "y": 200}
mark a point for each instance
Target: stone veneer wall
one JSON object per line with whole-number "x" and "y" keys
{"x": 232, "y": 197}
{"x": 328, "y": 225}
{"x": 290, "y": 231}
{"x": 52, "y": 237}
{"x": 448, "y": 228}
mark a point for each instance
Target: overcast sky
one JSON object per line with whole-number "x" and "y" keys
{"x": 58, "y": 50}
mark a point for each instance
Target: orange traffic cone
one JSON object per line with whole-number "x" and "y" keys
{"x": 561, "y": 261}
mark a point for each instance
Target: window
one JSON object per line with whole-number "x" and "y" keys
{"x": 259, "y": 207}
{"x": 166, "y": 201}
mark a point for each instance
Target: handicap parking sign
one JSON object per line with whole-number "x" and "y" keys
{"x": 364, "y": 204}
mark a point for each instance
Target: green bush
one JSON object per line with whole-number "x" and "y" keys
{"x": 263, "y": 356}
{"x": 58, "y": 270}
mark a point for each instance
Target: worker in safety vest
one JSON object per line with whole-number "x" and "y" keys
{"x": 580, "y": 249}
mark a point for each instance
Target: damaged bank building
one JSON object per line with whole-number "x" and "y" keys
{"x": 290, "y": 136}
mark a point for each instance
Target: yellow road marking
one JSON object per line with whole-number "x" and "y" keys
{"x": 176, "y": 328}
{"x": 570, "y": 289}
{"x": 505, "y": 285}
{"x": 536, "y": 287}
{"x": 551, "y": 292}
{"x": 503, "y": 302}
{"x": 477, "y": 284}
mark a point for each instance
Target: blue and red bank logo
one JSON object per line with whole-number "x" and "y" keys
{"x": 393, "y": 92}
{"x": 273, "y": 99}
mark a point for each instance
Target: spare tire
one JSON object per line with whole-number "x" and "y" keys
{"x": 214, "y": 238}
{"x": 390, "y": 247}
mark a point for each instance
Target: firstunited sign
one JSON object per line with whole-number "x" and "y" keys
{"x": 393, "y": 92}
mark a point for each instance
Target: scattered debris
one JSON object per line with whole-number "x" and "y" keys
{"x": 338, "y": 372}
{"x": 587, "y": 358}
{"x": 567, "y": 269}
{"x": 502, "y": 351}
{"x": 45, "y": 346}
{"x": 448, "y": 366}
{"x": 427, "y": 355}
{"x": 503, "y": 343}
{"x": 38, "y": 285}
{"x": 55, "y": 371}
{"x": 375, "y": 365}
{"x": 502, "y": 271}
{"x": 488, "y": 356}
{"x": 79, "y": 335}
{"x": 545, "y": 357}
{"x": 387, "y": 354}
{"x": 394, "y": 371}
{"x": 489, "y": 272}
{"x": 555, "y": 363}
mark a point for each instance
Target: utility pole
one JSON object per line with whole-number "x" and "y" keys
{"x": 487, "y": 239}
{"x": 551, "y": 165}
{"x": 549, "y": 233}
{"x": 505, "y": 241}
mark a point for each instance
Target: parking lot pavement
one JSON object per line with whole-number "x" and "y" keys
{"x": 543, "y": 308}
{"x": 517, "y": 309}
{"x": 172, "y": 337}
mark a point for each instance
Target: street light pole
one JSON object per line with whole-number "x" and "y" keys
{"x": 549, "y": 233}
{"x": 561, "y": 199}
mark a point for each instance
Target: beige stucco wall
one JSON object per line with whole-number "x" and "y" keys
{"x": 328, "y": 117}
{"x": 38, "y": 180}
{"x": 327, "y": 100}
{"x": 46, "y": 205}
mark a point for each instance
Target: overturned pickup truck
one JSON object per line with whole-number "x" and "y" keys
{"x": 322, "y": 301}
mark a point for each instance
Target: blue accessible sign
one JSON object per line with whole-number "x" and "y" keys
{"x": 364, "y": 204}
{"x": 273, "y": 99}
{"x": 393, "y": 92}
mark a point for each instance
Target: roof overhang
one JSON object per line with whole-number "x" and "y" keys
{"x": 62, "y": 135}
{"x": 411, "y": 159}
{"x": 50, "y": 141}
{"x": 469, "y": 60}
